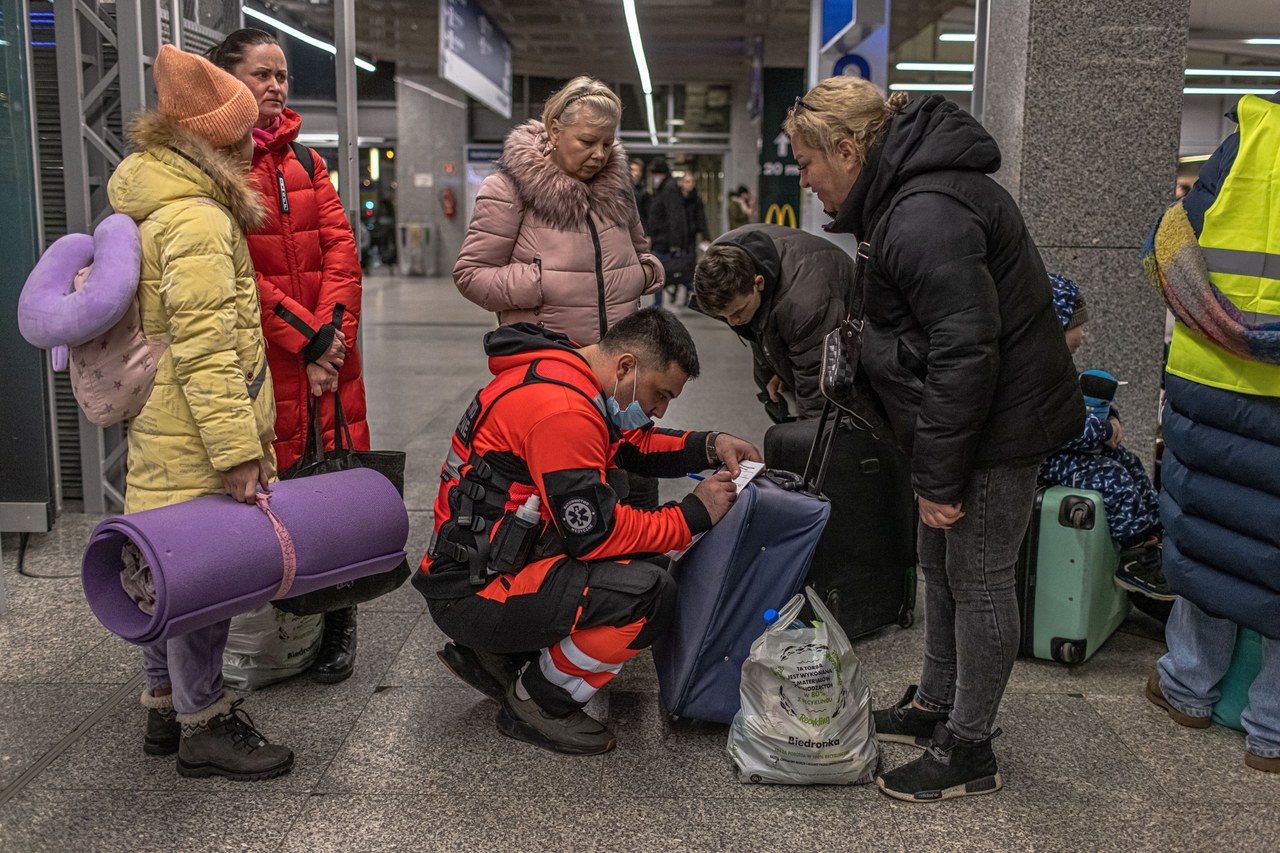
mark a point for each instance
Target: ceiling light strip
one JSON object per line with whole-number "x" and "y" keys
{"x": 251, "y": 12}
{"x": 966, "y": 67}
{"x": 1233, "y": 72}
{"x": 642, "y": 65}
{"x": 1227, "y": 90}
{"x": 931, "y": 87}
{"x": 957, "y": 37}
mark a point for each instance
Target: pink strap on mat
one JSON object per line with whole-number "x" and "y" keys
{"x": 286, "y": 546}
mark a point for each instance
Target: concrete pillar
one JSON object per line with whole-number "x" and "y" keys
{"x": 742, "y": 165}
{"x": 1085, "y": 101}
{"x": 431, "y": 134}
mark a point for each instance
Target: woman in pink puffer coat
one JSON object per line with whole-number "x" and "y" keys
{"x": 555, "y": 238}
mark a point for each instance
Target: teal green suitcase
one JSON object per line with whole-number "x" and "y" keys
{"x": 1066, "y": 589}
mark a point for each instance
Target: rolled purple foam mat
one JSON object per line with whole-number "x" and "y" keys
{"x": 212, "y": 558}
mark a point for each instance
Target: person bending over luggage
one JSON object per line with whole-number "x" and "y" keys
{"x": 536, "y": 571}
{"x": 964, "y": 351}
{"x": 207, "y": 426}
{"x": 782, "y": 290}
{"x": 1096, "y": 460}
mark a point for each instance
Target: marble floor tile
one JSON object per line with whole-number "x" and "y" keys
{"x": 1188, "y": 765}
{"x": 413, "y": 823}
{"x": 34, "y": 717}
{"x": 443, "y": 740}
{"x": 195, "y": 820}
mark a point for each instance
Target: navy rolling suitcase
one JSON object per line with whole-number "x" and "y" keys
{"x": 754, "y": 559}
{"x": 865, "y": 566}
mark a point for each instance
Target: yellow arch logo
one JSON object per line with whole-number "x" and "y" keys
{"x": 780, "y": 214}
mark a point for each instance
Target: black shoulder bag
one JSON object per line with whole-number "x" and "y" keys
{"x": 388, "y": 463}
{"x": 842, "y": 381}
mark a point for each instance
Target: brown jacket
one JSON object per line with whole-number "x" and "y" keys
{"x": 531, "y": 256}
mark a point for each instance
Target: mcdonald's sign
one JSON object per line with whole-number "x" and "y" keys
{"x": 778, "y": 180}
{"x": 781, "y": 214}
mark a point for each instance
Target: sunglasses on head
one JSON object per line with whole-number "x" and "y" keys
{"x": 801, "y": 105}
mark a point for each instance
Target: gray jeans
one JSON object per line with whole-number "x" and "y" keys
{"x": 971, "y": 605}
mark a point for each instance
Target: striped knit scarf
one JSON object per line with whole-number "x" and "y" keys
{"x": 1175, "y": 264}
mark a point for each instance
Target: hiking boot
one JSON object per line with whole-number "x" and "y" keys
{"x": 1141, "y": 572}
{"x": 163, "y": 732}
{"x": 1156, "y": 696}
{"x": 1259, "y": 762}
{"x": 906, "y": 724}
{"x": 226, "y": 744}
{"x": 163, "y": 729}
{"x": 949, "y": 768}
{"x": 575, "y": 734}
{"x": 338, "y": 648}
{"x": 488, "y": 672}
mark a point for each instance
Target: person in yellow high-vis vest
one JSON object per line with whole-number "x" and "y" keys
{"x": 1221, "y": 503}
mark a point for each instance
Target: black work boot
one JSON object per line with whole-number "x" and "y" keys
{"x": 338, "y": 648}
{"x": 574, "y": 734}
{"x": 950, "y": 767}
{"x": 488, "y": 672}
{"x": 163, "y": 729}
{"x": 906, "y": 724}
{"x": 221, "y": 741}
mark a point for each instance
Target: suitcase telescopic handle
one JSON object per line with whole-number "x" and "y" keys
{"x": 815, "y": 467}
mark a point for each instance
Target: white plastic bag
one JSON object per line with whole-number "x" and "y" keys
{"x": 806, "y": 711}
{"x": 268, "y": 645}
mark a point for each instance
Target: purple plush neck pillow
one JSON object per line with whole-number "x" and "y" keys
{"x": 52, "y": 312}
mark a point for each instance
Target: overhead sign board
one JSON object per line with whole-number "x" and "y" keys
{"x": 475, "y": 54}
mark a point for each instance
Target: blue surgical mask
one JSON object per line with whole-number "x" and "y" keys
{"x": 632, "y": 417}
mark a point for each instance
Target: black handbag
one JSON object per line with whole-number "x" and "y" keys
{"x": 842, "y": 380}
{"x": 388, "y": 463}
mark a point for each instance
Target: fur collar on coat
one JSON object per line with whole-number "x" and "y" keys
{"x": 561, "y": 200}
{"x": 232, "y": 184}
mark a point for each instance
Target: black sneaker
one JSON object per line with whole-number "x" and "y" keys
{"x": 229, "y": 746}
{"x": 488, "y": 672}
{"x": 163, "y": 732}
{"x": 949, "y": 768}
{"x": 1141, "y": 572}
{"x": 905, "y": 724}
{"x": 575, "y": 734}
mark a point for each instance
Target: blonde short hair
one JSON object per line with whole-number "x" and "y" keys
{"x": 579, "y": 93}
{"x": 842, "y": 108}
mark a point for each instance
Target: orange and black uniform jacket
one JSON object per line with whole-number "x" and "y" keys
{"x": 540, "y": 427}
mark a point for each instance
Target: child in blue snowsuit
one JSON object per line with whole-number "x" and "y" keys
{"x": 1096, "y": 460}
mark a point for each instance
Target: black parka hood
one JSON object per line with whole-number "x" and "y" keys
{"x": 930, "y": 135}
{"x": 519, "y": 338}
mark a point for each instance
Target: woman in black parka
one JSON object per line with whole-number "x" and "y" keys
{"x": 964, "y": 350}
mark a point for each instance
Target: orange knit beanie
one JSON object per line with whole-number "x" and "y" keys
{"x": 203, "y": 98}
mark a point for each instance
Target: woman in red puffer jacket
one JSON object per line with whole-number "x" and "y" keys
{"x": 308, "y": 275}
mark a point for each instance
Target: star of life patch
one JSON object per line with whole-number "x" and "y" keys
{"x": 578, "y": 515}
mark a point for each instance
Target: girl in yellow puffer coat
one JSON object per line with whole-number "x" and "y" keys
{"x": 208, "y": 424}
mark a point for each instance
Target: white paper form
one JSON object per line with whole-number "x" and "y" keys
{"x": 747, "y": 471}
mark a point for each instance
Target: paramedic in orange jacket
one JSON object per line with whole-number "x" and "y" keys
{"x": 569, "y": 596}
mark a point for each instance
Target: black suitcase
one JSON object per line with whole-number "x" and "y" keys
{"x": 865, "y": 564}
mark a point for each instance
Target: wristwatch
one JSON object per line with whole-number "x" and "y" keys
{"x": 713, "y": 458}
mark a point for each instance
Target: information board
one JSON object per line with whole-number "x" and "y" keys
{"x": 475, "y": 54}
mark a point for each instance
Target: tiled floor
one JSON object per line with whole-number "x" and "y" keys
{"x": 404, "y": 757}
